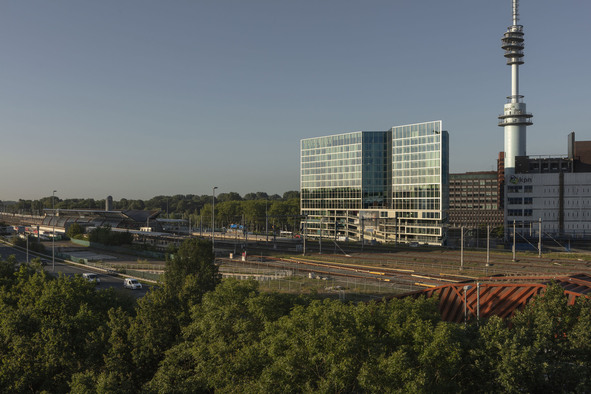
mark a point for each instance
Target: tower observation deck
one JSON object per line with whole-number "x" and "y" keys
{"x": 515, "y": 118}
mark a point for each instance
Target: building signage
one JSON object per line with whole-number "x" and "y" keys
{"x": 520, "y": 179}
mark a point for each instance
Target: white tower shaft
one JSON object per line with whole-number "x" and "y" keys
{"x": 515, "y": 119}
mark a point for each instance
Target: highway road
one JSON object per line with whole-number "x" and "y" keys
{"x": 107, "y": 280}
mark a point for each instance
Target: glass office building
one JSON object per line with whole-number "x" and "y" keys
{"x": 383, "y": 185}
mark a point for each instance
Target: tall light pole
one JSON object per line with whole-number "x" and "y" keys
{"x": 540, "y": 239}
{"x": 488, "y": 245}
{"x": 462, "y": 248}
{"x": 53, "y": 235}
{"x": 213, "y": 219}
{"x": 513, "y": 240}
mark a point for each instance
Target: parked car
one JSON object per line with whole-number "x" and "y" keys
{"x": 133, "y": 284}
{"x": 91, "y": 277}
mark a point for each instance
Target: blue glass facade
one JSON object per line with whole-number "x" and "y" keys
{"x": 388, "y": 185}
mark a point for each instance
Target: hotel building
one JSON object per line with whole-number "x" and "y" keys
{"x": 377, "y": 185}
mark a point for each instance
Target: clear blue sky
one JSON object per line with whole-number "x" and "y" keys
{"x": 139, "y": 98}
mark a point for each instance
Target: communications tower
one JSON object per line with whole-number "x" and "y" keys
{"x": 514, "y": 119}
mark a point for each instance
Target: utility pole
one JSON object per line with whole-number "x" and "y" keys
{"x": 335, "y": 235}
{"x": 320, "y": 238}
{"x": 305, "y": 233}
{"x": 477, "y": 302}
{"x": 513, "y": 240}
{"x": 462, "y": 248}
{"x": 53, "y": 235}
{"x": 362, "y": 232}
{"x": 213, "y": 220}
{"x": 540, "y": 239}
{"x": 488, "y": 245}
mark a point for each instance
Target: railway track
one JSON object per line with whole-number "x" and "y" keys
{"x": 392, "y": 275}
{"x": 429, "y": 268}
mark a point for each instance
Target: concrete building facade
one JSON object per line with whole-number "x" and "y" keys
{"x": 474, "y": 200}
{"x": 551, "y": 193}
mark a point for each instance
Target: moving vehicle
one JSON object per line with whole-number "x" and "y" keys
{"x": 133, "y": 284}
{"x": 91, "y": 277}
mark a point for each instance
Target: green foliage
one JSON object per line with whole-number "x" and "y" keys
{"x": 498, "y": 232}
{"x": 195, "y": 259}
{"x": 7, "y": 270}
{"x": 190, "y": 273}
{"x": 220, "y": 347}
{"x": 74, "y": 230}
{"x": 291, "y": 195}
{"x": 34, "y": 244}
{"x": 104, "y": 235}
{"x": 195, "y": 334}
{"x": 547, "y": 349}
{"x": 50, "y": 330}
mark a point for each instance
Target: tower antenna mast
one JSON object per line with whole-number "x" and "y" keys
{"x": 515, "y": 12}
{"x": 514, "y": 119}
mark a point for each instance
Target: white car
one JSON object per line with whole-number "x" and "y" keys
{"x": 91, "y": 277}
{"x": 133, "y": 284}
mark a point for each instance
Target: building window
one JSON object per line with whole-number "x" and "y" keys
{"x": 514, "y": 189}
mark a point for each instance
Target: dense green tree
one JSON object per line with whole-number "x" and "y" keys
{"x": 104, "y": 235}
{"x": 33, "y": 245}
{"x": 7, "y": 269}
{"x": 546, "y": 349}
{"x": 206, "y": 217}
{"x": 136, "y": 205}
{"x": 220, "y": 347}
{"x": 228, "y": 212}
{"x": 118, "y": 370}
{"x": 292, "y": 194}
{"x": 421, "y": 353}
{"x": 50, "y": 330}
{"x": 254, "y": 214}
{"x": 192, "y": 335}
{"x": 250, "y": 196}
{"x": 195, "y": 259}
{"x": 153, "y": 330}
{"x": 399, "y": 346}
{"x": 262, "y": 196}
{"x": 231, "y": 196}
{"x": 74, "y": 230}
{"x": 161, "y": 314}
{"x": 285, "y": 214}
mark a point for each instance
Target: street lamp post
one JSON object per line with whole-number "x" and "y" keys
{"x": 53, "y": 235}
{"x": 213, "y": 220}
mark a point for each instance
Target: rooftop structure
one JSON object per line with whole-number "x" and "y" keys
{"x": 460, "y": 302}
